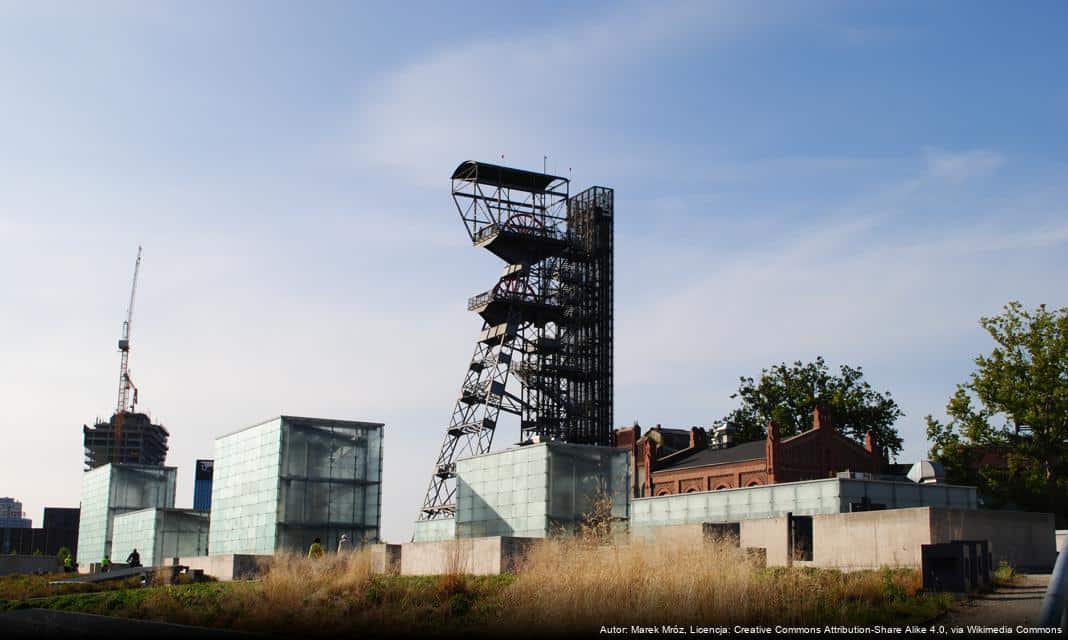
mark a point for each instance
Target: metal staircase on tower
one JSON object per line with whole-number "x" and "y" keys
{"x": 547, "y": 322}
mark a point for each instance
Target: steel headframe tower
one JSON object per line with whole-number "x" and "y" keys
{"x": 548, "y": 320}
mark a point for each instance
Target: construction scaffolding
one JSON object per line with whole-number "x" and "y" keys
{"x": 138, "y": 442}
{"x": 548, "y": 320}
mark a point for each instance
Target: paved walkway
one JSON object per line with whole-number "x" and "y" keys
{"x": 1015, "y": 604}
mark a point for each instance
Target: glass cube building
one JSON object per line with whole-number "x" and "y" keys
{"x": 280, "y": 484}
{"x": 111, "y": 490}
{"x": 533, "y": 491}
{"x": 159, "y": 535}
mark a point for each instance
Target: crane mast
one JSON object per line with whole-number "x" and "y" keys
{"x": 125, "y": 384}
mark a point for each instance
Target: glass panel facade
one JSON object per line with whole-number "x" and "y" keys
{"x": 93, "y": 524}
{"x": 537, "y": 490}
{"x": 136, "y": 530}
{"x": 159, "y": 535}
{"x": 244, "y": 492}
{"x": 812, "y": 497}
{"x": 281, "y": 484}
{"x": 331, "y": 482}
{"x": 434, "y": 530}
{"x": 110, "y": 490}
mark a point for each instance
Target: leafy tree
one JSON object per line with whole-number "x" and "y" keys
{"x": 63, "y": 553}
{"x": 1008, "y": 424}
{"x": 789, "y": 394}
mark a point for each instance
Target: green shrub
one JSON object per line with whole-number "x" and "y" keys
{"x": 1004, "y": 572}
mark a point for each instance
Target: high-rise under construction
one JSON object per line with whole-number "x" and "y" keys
{"x": 128, "y": 437}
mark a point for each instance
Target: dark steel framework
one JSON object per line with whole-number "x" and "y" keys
{"x": 547, "y": 321}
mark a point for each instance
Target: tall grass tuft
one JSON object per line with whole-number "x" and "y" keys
{"x": 579, "y": 585}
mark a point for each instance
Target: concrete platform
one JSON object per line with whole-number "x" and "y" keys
{"x": 476, "y": 556}
{"x": 228, "y": 567}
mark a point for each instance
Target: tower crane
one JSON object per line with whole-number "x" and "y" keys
{"x": 125, "y": 384}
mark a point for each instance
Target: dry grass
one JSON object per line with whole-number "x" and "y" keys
{"x": 563, "y": 584}
{"x": 581, "y": 586}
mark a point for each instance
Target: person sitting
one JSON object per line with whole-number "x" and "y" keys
{"x": 134, "y": 559}
{"x": 316, "y": 550}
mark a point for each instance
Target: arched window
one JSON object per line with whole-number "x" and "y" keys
{"x": 720, "y": 487}
{"x": 692, "y": 490}
{"x": 753, "y": 483}
{"x": 663, "y": 492}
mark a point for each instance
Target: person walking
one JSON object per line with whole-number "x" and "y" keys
{"x": 344, "y": 545}
{"x": 68, "y": 564}
{"x": 105, "y": 564}
{"x": 316, "y": 550}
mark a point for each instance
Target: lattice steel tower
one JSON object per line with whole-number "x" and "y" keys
{"x": 547, "y": 322}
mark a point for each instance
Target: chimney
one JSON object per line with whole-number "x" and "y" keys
{"x": 771, "y": 450}
{"x": 821, "y": 417}
{"x": 869, "y": 445}
{"x": 698, "y": 438}
{"x": 649, "y": 462}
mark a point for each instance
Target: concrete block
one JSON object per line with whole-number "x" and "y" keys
{"x": 21, "y": 564}
{"x": 1023, "y": 539}
{"x": 871, "y": 539}
{"x": 476, "y": 556}
{"x": 948, "y": 566}
{"x": 228, "y": 567}
{"x": 771, "y": 534}
{"x": 386, "y": 558}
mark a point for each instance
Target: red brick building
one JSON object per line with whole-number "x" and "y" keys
{"x": 670, "y": 461}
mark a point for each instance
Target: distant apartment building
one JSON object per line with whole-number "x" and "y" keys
{"x": 60, "y": 530}
{"x": 11, "y": 515}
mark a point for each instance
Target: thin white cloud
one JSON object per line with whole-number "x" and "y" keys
{"x": 522, "y": 96}
{"x": 962, "y": 165}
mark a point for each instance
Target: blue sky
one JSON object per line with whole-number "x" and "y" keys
{"x": 857, "y": 180}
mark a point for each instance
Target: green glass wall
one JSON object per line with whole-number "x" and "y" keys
{"x": 244, "y": 492}
{"x": 111, "y": 490}
{"x": 532, "y": 491}
{"x": 160, "y": 535}
{"x": 283, "y": 483}
{"x": 812, "y": 497}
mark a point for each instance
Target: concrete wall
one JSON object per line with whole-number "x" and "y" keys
{"x": 228, "y": 567}
{"x": 386, "y": 558}
{"x": 17, "y": 564}
{"x": 1023, "y": 539}
{"x": 770, "y": 534}
{"x": 892, "y": 537}
{"x": 766, "y": 533}
{"x": 476, "y": 556}
{"x": 870, "y": 539}
{"x": 1062, "y": 535}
